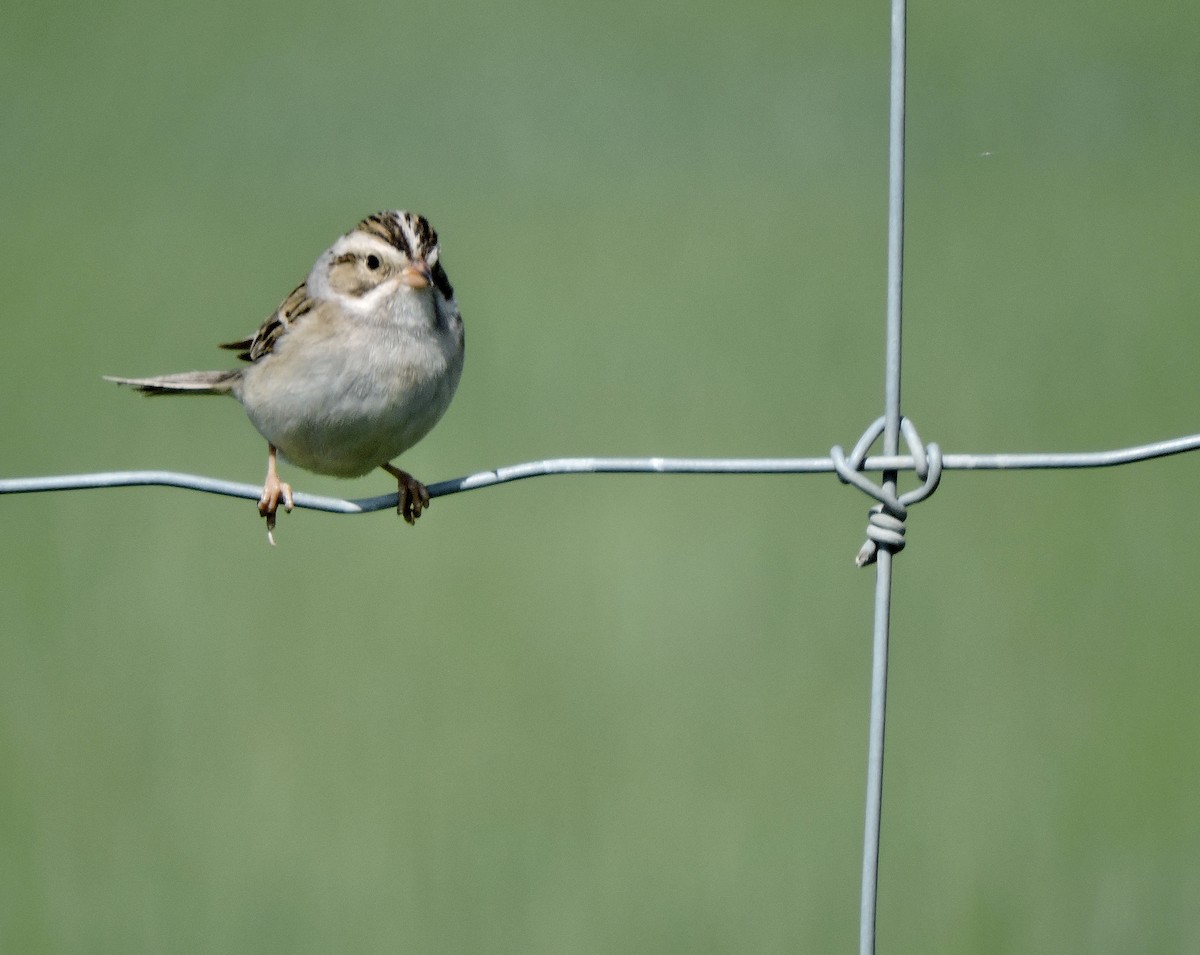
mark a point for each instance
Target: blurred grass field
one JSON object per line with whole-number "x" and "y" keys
{"x": 605, "y": 714}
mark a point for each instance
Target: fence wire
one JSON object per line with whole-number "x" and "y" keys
{"x": 1037, "y": 461}
{"x": 891, "y": 508}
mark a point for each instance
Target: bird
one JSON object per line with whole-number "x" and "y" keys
{"x": 353, "y": 368}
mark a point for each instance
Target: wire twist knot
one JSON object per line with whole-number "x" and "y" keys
{"x": 885, "y": 526}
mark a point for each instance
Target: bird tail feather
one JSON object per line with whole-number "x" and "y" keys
{"x": 183, "y": 383}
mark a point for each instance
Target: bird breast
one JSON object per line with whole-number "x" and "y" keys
{"x": 338, "y": 398}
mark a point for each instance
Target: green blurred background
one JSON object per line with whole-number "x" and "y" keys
{"x": 604, "y": 714}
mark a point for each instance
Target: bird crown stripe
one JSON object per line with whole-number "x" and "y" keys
{"x": 410, "y": 240}
{"x": 404, "y": 231}
{"x": 384, "y": 227}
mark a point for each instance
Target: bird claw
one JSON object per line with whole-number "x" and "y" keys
{"x": 412, "y": 497}
{"x": 274, "y": 491}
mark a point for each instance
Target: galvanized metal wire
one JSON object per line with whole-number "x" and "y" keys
{"x": 889, "y": 500}
{"x": 590, "y": 465}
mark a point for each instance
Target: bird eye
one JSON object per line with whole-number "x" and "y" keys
{"x": 373, "y": 262}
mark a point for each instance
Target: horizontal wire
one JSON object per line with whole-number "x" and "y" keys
{"x": 517, "y": 472}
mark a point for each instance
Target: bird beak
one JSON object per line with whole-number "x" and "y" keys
{"x": 417, "y": 275}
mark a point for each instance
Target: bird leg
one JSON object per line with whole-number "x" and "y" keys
{"x": 413, "y": 495}
{"x": 274, "y": 490}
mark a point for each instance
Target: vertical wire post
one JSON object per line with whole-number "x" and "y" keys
{"x": 891, "y": 446}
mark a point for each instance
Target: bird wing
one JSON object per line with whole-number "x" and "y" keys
{"x": 278, "y": 322}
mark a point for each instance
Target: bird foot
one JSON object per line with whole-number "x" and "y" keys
{"x": 274, "y": 491}
{"x": 413, "y": 496}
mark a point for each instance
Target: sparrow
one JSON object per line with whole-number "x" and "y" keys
{"x": 353, "y": 368}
